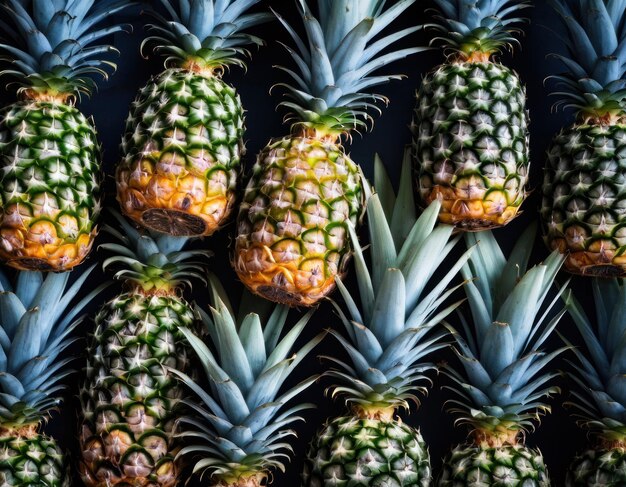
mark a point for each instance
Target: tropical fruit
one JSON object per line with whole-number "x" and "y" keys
{"x": 130, "y": 400}
{"x": 184, "y": 134}
{"x": 240, "y": 425}
{"x": 390, "y": 330}
{"x": 505, "y": 373}
{"x": 49, "y": 152}
{"x": 600, "y": 400}
{"x": 39, "y": 314}
{"x": 292, "y": 239}
{"x": 471, "y": 125}
{"x": 584, "y": 187}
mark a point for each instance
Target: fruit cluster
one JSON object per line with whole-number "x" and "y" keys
{"x": 167, "y": 384}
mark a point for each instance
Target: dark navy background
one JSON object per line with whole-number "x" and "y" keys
{"x": 557, "y": 435}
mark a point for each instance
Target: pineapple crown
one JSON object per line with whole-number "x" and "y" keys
{"x": 601, "y": 373}
{"x": 204, "y": 34}
{"x": 504, "y": 365}
{"x": 154, "y": 263}
{"x": 478, "y": 28}
{"x": 334, "y": 66}
{"x": 391, "y": 332}
{"x": 51, "y": 49}
{"x": 38, "y": 315}
{"x": 594, "y": 83}
{"x": 241, "y": 420}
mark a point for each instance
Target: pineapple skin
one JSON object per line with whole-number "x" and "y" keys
{"x": 49, "y": 184}
{"x": 506, "y": 465}
{"x": 130, "y": 401}
{"x": 584, "y": 196}
{"x": 293, "y": 222}
{"x": 31, "y": 460}
{"x": 598, "y": 468}
{"x": 182, "y": 151}
{"x": 471, "y": 143}
{"x": 364, "y": 452}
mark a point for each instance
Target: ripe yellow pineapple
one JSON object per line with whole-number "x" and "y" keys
{"x": 293, "y": 223}
{"x": 471, "y": 139}
{"x": 49, "y": 151}
{"x": 183, "y": 139}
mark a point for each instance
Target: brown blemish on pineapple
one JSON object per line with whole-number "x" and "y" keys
{"x": 312, "y": 133}
{"x": 470, "y": 215}
{"x": 174, "y": 222}
{"x": 31, "y": 264}
{"x": 603, "y": 119}
{"x": 603, "y": 270}
{"x": 279, "y": 295}
{"x": 588, "y": 263}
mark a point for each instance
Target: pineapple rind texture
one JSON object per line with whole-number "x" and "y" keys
{"x": 50, "y": 158}
{"x": 598, "y": 468}
{"x": 584, "y": 203}
{"x": 293, "y": 223}
{"x": 182, "y": 151}
{"x": 130, "y": 401}
{"x": 472, "y": 144}
{"x": 510, "y": 466}
{"x": 28, "y": 462}
{"x": 367, "y": 452}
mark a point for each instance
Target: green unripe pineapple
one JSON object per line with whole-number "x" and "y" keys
{"x": 504, "y": 372}
{"x": 130, "y": 400}
{"x": 599, "y": 398}
{"x": 39, "y": 314}
{"x": 389, "y": 334}
{"x": 584, "y": 185}
{"x": 374, "y": 451}
{"x": 471, "y": 138}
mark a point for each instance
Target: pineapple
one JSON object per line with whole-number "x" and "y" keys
{"x": 388, "y": 337}
{"x": 38, "y": 316}
{"x": 584, "y": 184}
{"x": 504, "y": 372}
{"x": 239, "y": 426}
{"x": 292, "y": 227}
{"x": 49, "y": 152}
{"x": 129, "y": 399}
{"x": 471, "y": 126}
{"x": 184, "y": 135}
{"x": 600, "y": 374}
